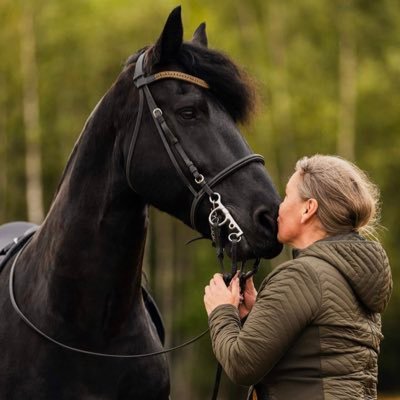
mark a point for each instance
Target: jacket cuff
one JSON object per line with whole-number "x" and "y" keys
{"x": 223, "y": 310}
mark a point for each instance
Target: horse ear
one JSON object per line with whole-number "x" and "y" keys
{"x": 200, "y": 36}
{"x": 170, "y": 41}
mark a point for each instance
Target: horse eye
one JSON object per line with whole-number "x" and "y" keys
{"x": 187, "y": 113}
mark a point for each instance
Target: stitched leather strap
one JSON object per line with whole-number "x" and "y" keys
{"x": 219, "y": 177}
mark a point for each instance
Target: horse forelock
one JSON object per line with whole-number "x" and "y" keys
{"x": 228, "y": 83}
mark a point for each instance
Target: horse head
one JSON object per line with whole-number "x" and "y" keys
{"x": 183, "y": 140}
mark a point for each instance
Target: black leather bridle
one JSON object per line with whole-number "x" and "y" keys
{"x": 198, "y": 186}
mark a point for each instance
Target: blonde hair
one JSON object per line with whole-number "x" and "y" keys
{"x": 347, "y": 199}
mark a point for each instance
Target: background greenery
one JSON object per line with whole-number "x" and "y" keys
{"x": 328, "y": 76}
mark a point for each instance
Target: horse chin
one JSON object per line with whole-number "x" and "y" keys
{"x": 244, "y": 251}
{"x": 272, "y": 250}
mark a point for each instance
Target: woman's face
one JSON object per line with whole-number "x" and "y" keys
{"x": 290, "y": 212}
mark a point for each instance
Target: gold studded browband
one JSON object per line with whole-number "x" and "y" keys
{"x": 182, "y": 76}
{"x": 140, "y": 79}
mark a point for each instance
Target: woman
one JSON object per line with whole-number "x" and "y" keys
{"x": 314, "y": 328}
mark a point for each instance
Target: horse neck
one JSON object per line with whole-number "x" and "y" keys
{"x": 91, "y": 244}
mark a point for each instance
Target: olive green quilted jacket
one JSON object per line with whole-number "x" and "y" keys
{"x": 315, "y": 330}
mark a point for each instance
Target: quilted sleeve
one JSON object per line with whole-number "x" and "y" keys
{"x": 288, "y": 301}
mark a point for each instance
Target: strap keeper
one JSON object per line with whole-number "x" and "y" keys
{"x": 172, "y": 138}
{"x": 193, "y": 170}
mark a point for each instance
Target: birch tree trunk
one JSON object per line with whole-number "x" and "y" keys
{"x": 3, "y": 153}
{"x": 30, "y": 99}
{"x": 347, "y": 84}
{"x": 252, "y": 27}
{"x": 281, "y": 103}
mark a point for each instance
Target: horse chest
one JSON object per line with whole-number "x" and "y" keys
{"x": 65, "y": 376}
{"x": 29, "y": 364}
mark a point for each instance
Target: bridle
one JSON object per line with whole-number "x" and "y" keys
{"x": 198, "y": 185}
{"x": 218, "y": 217}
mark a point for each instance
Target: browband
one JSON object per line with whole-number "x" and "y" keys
{"x": 182, "y": 76}
{"x": 141, "y": 80}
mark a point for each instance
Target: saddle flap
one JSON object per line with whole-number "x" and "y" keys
{"x": 11, "y": 231}
{"x": 12, "y": 235}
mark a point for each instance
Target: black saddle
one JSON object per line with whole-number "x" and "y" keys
{"x": 13, "y": 230}
{"x": 13, "y": 236}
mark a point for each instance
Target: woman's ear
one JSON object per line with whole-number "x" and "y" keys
{"x": 310, "y": 209}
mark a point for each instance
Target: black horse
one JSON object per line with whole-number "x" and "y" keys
{"x": 165, "y": 134}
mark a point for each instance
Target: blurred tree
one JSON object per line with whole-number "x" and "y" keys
{"x": 12, "y": 191}
{"x": 3, "y": 147}
{"x": 30, "y": 102}
{"x": 279, "y": 86}
{"x": 347, "y": 81}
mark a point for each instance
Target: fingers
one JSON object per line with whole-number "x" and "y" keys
{"x": 250, "y": 282}
{"x": 217, "y": 293}
{"x": 217, "y": 280}
{"x": 249, "y": 287}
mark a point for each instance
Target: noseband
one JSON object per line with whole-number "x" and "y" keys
{"x": 198, "y": 184}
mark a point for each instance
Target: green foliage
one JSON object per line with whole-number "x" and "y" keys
{"x": 291, "y": 49}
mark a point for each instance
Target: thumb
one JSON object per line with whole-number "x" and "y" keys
{"x": 235, "y": 287}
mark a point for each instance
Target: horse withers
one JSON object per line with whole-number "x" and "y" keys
{"x": 164, "y": 134}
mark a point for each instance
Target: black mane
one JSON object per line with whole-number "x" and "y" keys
{"x": 229, "y": 84}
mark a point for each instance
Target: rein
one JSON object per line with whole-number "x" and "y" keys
{"x": 75, "y": 349}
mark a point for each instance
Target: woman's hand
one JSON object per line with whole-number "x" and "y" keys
{"x": 248, "y": 298}
{"x": 216, "y": 293}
